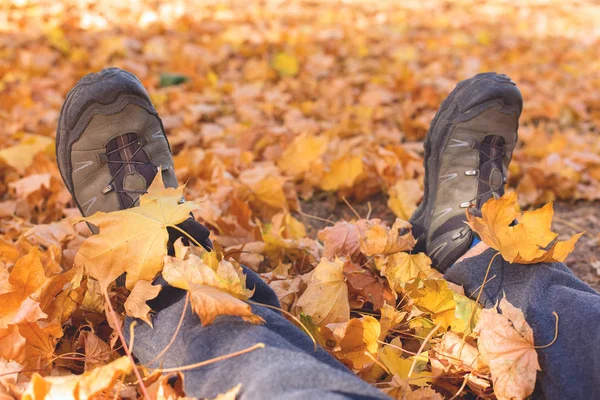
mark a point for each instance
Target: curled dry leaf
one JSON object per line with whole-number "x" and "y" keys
{"x": 506, "y": 343}
{"x": 341, "y": 239}
{"x": 525, "y": 242}
{"x": 217, "y": 287}
{"x": 353, "y": 340}
{"x": 133, "y": 240}
{"x": 135, "y": 305}
{"x": 377, "y": 239}
{"x": 326, "y": 297}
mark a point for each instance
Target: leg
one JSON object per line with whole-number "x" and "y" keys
{"x": 570, "y": 366}
{"x": 287, "y": 368}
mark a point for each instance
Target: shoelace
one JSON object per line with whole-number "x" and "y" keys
{"x": 125, "y": 163}
{"x": 490, "y": 160}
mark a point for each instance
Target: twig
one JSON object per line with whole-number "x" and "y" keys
{"x": 213, "y": 360}
{"x": 291, "y": 316}
{"x": 350, "y": 206}
{"x": 187, "y": 300}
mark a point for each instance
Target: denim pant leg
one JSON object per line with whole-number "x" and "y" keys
{"x": 286, "y": 368}
{"x": 570, "y": 366}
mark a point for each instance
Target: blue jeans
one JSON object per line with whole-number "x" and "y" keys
{"x": 289, "y": 368}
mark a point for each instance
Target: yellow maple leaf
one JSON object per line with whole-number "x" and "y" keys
{"x": 506, "y": 342}
{"x": 74, "y": 387}
{"x": 525, "y": 242}
{"x": 135, "y": 305}
{"x": 326, "y": 297}
{"x": 285, "y": 64}
{"x": 404, "y": 197}
{"x": 342, "y": 173}
{"x": 216, "y": 287}
{"x": 299, "y": 156}
{"x": 434, "y": 297}
{"x": 400, "y": 367}
{"x": 133, "y": 240}
{"x": 400, "y": 268}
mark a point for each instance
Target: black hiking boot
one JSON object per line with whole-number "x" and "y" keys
{"x": 467, "y": 151}
{"x": 110, "y": 144}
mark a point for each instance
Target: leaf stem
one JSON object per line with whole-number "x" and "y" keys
{"x": 113, "y": 315}
{"x": 186, "y": 234}
{"x": 429, "y": 336}
{"x": 555, "y": 334}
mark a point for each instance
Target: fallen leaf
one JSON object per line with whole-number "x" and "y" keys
{"x": 506, "y": 343}
{"x": 135, "y": 305}
{"x": 285, "y": 64}
{"x": 404, "y": 197}
{"x": 82, "y": 386}
{"x": 342, "y": 173}
{"x": 378, "y": 239}
{"x": 400, "y": 268}
{"x": 353, "y": 339}
{"x": 326, "y": 297}
{"x": 340, "y": 239}
{"x": 133, "y": 240}
{"x": 525, "y": 242}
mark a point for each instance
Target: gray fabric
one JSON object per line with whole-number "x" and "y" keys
{"x": 288, "y": 367}
{"x": 571, "y": 366}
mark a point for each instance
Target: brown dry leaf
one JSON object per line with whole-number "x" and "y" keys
{"x": 135, "y": 305}
{"x": 506, "y": 343}
{"x": 368, "y": 287}
{"x": 75, "y": 387}
{"x": 326, "y": 297}
{"x": 97, "y": 352}
{"x": 341, "y": 239}
{"x": 231, "y": 394}
{"x": 525, "y": 242}
{"x": 378, "y": 239}
{"x": 353, "y": 339}
{"x": 133, "y": 240}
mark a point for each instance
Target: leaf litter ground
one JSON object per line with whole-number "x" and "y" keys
{"x": 275, "y": 108}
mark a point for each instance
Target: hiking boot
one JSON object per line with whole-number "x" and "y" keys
{"x": 110, "y": 144}
{"x": 467, "y": 151}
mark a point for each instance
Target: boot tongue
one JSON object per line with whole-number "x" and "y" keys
{"x": 131, "y": 169}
